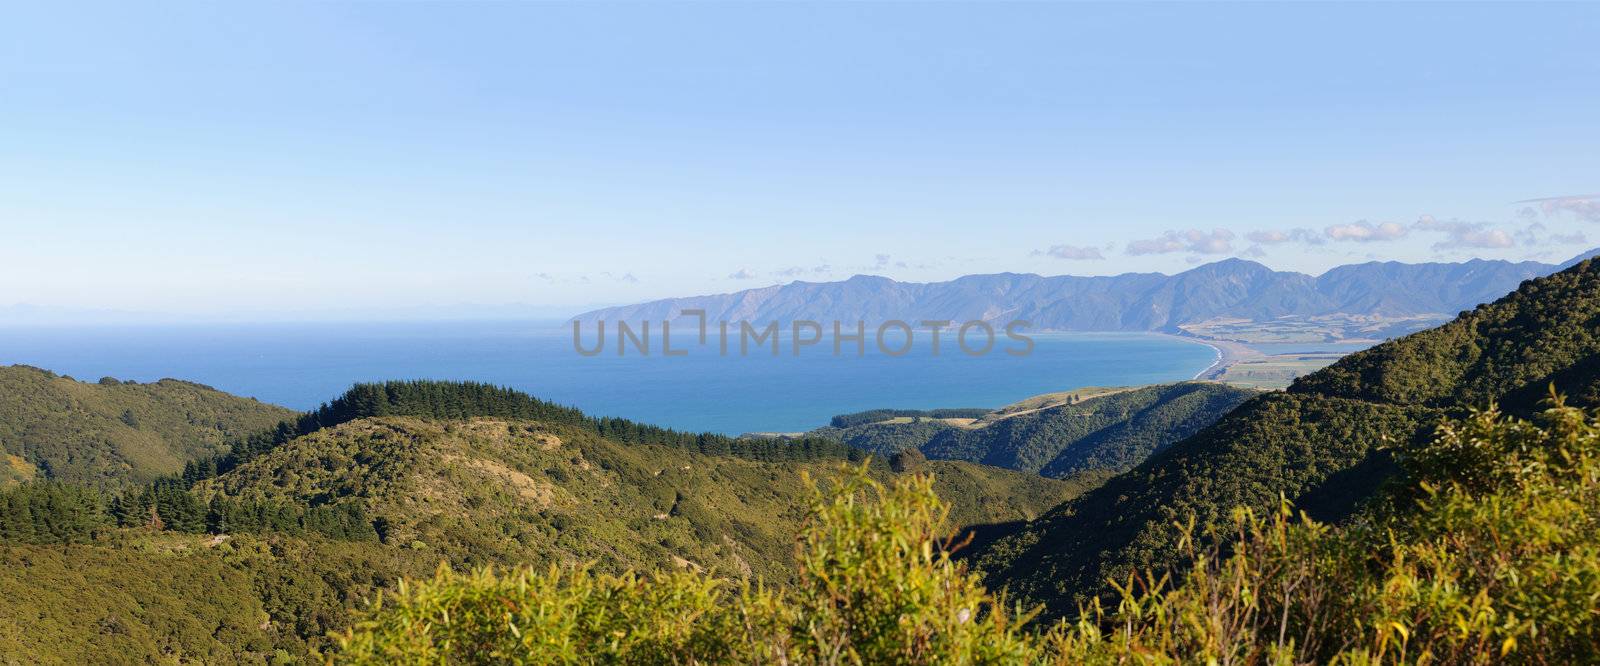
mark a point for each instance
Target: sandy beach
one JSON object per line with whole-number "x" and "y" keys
{"x": 1228, "y": 353}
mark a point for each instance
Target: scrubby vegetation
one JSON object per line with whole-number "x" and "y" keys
{"x": 1326, "y": 444}
{"x": 447, "y": 400}
{"x": 488, "y": 490}
{"x": 876, "y": 415}
{"x": 1365, "y": 516}
{"x": 288, "y": 544}
{"x": 141, "y": 596}
{"x": 113, "y": 434}
{"x": 1109, "y": 432}
{"x": 875, "y": 587}
{"x": 1490, "y": 553}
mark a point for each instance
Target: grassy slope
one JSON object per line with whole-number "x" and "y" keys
{"x": 1321, "y": 443}
{"x": 109, "y": 435}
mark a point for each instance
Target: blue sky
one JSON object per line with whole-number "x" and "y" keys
{"x": 279, "y": 157}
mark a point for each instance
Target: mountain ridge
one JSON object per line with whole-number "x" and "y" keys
{"x": 1230, "y": 288}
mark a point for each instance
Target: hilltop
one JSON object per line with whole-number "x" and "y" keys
{"x": 113, "y": 433}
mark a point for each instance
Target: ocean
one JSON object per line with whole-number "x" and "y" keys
{"x": 303, "y": 365}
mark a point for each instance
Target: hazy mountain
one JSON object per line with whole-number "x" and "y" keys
{"x": 1232, "y": 288}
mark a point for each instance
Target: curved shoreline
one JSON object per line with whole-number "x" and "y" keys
{"x": 1228, "y": 353}
{"x": 1214, "y": 364}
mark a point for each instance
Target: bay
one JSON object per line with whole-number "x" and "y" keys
{"x": 303, "y": 365}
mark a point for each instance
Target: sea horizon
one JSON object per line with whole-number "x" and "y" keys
{"x": 301, "y": 365}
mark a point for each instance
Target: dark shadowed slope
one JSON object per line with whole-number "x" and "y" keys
{"x": 1321, "y": 443}
{"x": 1109, "y": 432}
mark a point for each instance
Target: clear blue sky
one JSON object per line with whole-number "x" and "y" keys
{"x": 282, "y": 156}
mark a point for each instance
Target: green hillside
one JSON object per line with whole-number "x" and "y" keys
{"x": 284, "y": 539}
{"x": 486, "y": 490}
{"x": 1487, "y": 554}
{"x": 1111, "y": 431}
{"x": 1325, "y": 443}
{"x": 112, "y": 433}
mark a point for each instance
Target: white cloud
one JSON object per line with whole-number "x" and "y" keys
{"x": 1366, "y": 232}
{"x": 1585, "y": 207}
{"x": 1072, "y": 252}
{"x": 1574, "y": 238}
{"x": 1539, "y": 234}
{"x": 1278, "y": 237}
{"x": 742, "y": 274}
{"x": 1460, "y": 235}
{"x": 1195, "y": 241}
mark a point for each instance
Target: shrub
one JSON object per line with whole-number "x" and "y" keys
{"x": 875, "y": 588}
{"x": 1488, "y": 554}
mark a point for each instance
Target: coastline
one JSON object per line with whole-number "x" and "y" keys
{"x": 1215, "y": 365}
{"x": 1228, "y": 354}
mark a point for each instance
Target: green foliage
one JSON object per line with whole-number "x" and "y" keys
{"x": 876, "y": 415}
{"x": 1521, "y": 340}
{"x": 487, "y": 490}
{"x": 43, "y": 512}
{"x": 887, "y": 438}
{"x": 1491, "y": 555}
{"x": 450, "y": 400}
{"x": 1276, "y": 445}
{"x": 1111, "y": 432}
{"x": 113, "y": 434}
{"x": 136, "y": 596}
{"x": 874, "y": 588}
{"x": 1325, "y": 444}
{"x": 461, "y": 400}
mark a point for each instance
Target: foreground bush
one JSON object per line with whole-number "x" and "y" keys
{"x": 875, "y": 587}
{"x": 1487, "y": 554}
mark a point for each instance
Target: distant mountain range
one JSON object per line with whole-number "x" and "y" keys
{"x": 1228, "y": 289}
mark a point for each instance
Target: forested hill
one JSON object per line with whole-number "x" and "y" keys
{"x": 1111, "y": 431}
{"x": 454, "y": 400}
{"x": 260, "y": 561}
{"x": 1231, "y": 288}
{"x": 114, "y": 433}
{"x": 1325, "y": 443}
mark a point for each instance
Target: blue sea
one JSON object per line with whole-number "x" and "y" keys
{"x": 303, "y": 365}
